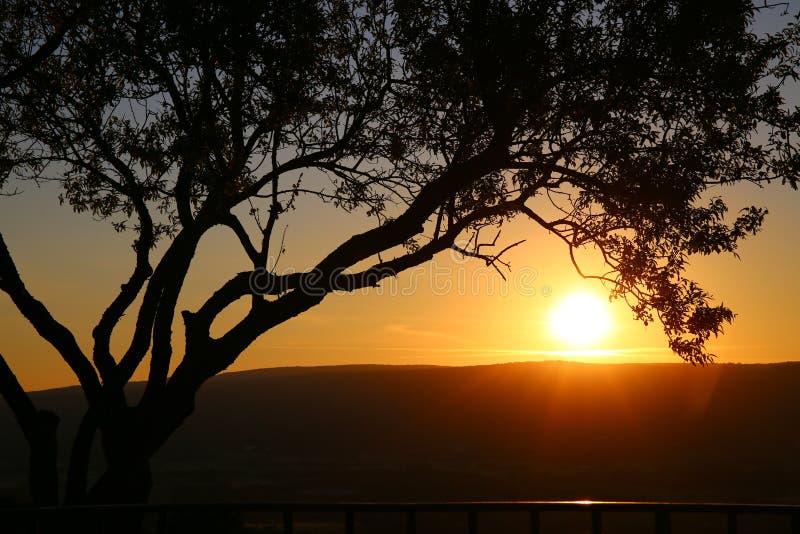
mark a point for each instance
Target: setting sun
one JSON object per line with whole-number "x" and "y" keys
{"x": 580, "y": 320}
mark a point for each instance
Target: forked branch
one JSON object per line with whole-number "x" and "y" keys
{"x": 491, "y": 260}
{"x": 48, "y": 327}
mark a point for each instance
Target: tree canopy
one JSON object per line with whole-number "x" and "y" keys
{"x": 431, "y": 119}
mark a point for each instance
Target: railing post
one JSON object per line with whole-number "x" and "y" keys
{"x": 411, "y": 522}
{"x": 161, "y": 525}
{"x": 597, "y": 522}
{"x": 733, "y": 523}
{"x": 349, "y": 522}
{"x": 288, "y": 522}
{"x": 472, "y": 521}
{"x": 663, "y": 522}
{"x": 535, "y": 524}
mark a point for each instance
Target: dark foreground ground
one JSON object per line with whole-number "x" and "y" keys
{"x": 533, "y": 431}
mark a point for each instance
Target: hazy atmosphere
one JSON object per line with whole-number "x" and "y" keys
{"x": 455, "y": 312}
{"x": 317, "y": 266}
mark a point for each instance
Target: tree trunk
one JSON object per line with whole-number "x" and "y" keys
{"x": 123, "y": 484}
{"x": 130, "y": 483}
{"x": 43, "y": 466}
{"x": 127, "y": 479}
{"x": 39, "y": 428}
{"x": 78, "y": 471}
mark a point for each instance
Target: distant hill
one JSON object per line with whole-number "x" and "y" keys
{"x": 548, "y": 430}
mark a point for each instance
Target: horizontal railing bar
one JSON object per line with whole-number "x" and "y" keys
{"x": 538, "y": 506}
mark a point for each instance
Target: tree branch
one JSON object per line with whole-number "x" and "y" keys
{"x": 18, "y": 400}
{"x": 49, "y": 328}
{"x": 233, "y": 222}
{"x": 49, "y": 46}
{"x": 161, "y": 353}
{"x": 78, "y": 470}
{"x": 491, "y": 260}
{"x": 111, "y": 316}
{"x": 410, "y": 222}
{"x": 182, "y": 245}
{"x": 306, "y": 160}
{"x": 39, "y": 428}
{"x": 274, "y": 208}
{"x": 315, "y": 285}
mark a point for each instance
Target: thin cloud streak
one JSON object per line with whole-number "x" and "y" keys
{"x": 408, "y": 330}
{"x": 486, "y": 351}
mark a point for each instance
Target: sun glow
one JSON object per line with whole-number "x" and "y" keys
{"x": 580, "y": 320}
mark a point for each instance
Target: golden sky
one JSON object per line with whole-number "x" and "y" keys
{"x": 451, "y": 312}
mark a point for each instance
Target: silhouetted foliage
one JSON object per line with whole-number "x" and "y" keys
{"x": 433, "y": 118}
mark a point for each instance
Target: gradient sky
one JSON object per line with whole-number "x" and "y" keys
{"x": 451, "y": 312}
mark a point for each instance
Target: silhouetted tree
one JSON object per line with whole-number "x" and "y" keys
{"x": 434, "y": 118}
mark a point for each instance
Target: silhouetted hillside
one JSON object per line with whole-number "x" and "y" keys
{"x": 514, "y": 431}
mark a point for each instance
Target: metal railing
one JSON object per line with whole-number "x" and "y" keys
{"x": 662, "y": 512}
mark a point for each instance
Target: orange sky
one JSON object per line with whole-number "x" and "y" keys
{"x": 452, "y": 312}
